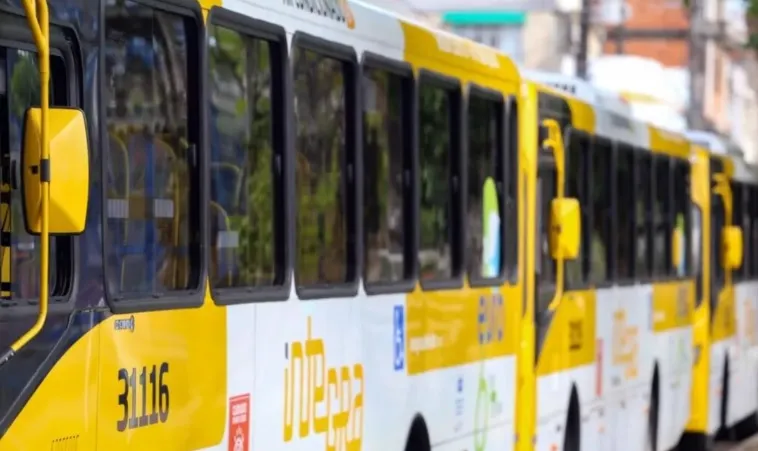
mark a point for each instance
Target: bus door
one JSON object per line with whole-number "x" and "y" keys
{"x": 557, "y": 224}
{"x": 726, "y": 242}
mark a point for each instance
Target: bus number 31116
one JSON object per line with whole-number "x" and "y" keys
{"x": 134, "y": 399}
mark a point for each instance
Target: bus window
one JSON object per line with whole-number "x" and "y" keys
{"x": 545, "y": 265}
{"x": 323, "y": 154}
{"x": 717, "y": 269}
{"x": 738, "y": 193}
{"x": 153, "y": 215}
{"x": 20, "y": 251}
{"x": 247, "y": 202}
{"x": 643, "y": 215}
{"x": 387, "y": 162}
{"x": 625, "y": 218}
{"x": 662, "y": 217}
{"x": 683, "y": 219}
{"x": 485, "y": 207}
{"x": 601, "y": 211}
{"x": 578, "y": 186}
{"x": 439, "y": 158}
{"x": 754, "y": 231}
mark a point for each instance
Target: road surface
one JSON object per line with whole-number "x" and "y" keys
{"x": 750, "y": 444}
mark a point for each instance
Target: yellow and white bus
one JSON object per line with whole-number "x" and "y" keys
{"x": 312, "y": 224}
{"x": 725, "y": 396}
{"x": 285, "y": 225}
{"x": 615, "y": 335}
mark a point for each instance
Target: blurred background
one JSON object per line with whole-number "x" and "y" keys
{"x": 686, "y": 64}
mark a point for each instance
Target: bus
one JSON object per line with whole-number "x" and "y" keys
{"x": 614, "y": 337}
{"x": 266, "y": 225}
{"x": 313, "y": 224}
{"x": 725, "y": 396}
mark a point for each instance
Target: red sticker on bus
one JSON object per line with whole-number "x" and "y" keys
{"x": 239, "y": 423}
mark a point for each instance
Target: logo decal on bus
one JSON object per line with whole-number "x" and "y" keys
{"x": 398, "y": 335}
{"x": 337, "y": 10}
{"x": 239, "y": 423}
{"x": 126, "y": 324}
{"x": 319, "y": 399}
{"x": 625, "y": 345}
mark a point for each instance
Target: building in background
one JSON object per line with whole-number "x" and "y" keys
{"x": 538, "y": 34}
{"x": 654, "y": 37}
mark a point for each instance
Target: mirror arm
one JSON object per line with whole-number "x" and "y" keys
{"x": 554, "y": 141}
{"x": 39, "y": 23}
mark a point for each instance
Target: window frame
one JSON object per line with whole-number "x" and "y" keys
{"x": 120, "y": 303}
{"x": 64, "y": 44}
{"x": 403, "y": 70}
{"x": 643, "y": 170}
{"x": 493, "y": 97}
{"x": 276, "y": 38}
{"x": 353, "y": 156}
{"x": 457, "y": 149}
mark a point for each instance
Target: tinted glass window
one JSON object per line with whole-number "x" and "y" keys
{"x": 20, "y": 251}
{"x": 577, "y": 186}
{"x": 321, "y": 155}
{"x": 485, "y": 188}
{"x": 386, "y": 201}
{"x": 662, "y": 217}
{"x": 683, "y": 219}
{"x": 625, "y": 219}
{"x": 436, "y": 112}
{"x": 643, "y": 215}
{"x": 601, "y": 210}
{"x": 151, "y": 187}
{"x": 246, "y": 210}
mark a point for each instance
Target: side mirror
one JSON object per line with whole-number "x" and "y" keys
{"x": 731, "y": 244}
{"x": 565, "y": 228}
{"x": 68, "y": 171}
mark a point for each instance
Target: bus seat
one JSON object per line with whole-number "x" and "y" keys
{"x": 226, "y": 185}
{"x": 118, "y": 167}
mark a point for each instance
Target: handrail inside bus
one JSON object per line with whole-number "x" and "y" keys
{"x": 39, "y": 23}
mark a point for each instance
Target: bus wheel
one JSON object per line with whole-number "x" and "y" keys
{"x": 418, "y": 437}
{"x": 651, "y": 438}
{"x": 571, "y": 435}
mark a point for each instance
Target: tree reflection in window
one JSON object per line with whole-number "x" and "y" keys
{"x": 319, "y": 91}
{"x": 384, "y": 223}
{"x": 243, "y": 189}
{"x": 435, "y": 128}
